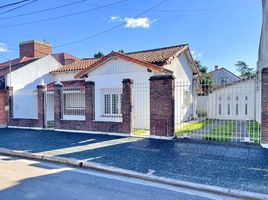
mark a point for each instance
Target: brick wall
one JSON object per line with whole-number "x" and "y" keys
{"x": 162, "y": 105}
{"x": 264, "y": 107}
{"x": 34, "y": 49}
{"x": 89, "y": 124}
{"x": 3, "y": 114}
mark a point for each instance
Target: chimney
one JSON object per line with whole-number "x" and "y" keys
{"x": 216, "y": 67}
{"x": 35, "y": 49}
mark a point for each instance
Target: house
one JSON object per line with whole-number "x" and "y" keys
{"x": 119, "y": 93}
{"x": 108, "y": 72}
{"x": 23, "y": 74}
{"x": 222, "y": 76}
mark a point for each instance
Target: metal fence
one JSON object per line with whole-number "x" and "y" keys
{"x": 227, "y": 112}
{"x": 141, "y": 109}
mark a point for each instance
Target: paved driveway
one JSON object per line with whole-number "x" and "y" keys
{"x": 243, "y": 167}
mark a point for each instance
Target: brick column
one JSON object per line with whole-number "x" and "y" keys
{"x": 90, "y": 102}
{"x": 126, "y": 105}
{"x": 162, "y": 105}
{"x": 9, "y": 103}
{"x": 57, "y": 105}
{"x": 264, "y": 107}
{"x": 41, "y": 89}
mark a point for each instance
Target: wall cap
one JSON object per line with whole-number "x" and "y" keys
{"x": 89, "y": 83}
{"x": 127, "y": 80}
{"x": 265, "y": 70}
{"x": 162, "y": 77}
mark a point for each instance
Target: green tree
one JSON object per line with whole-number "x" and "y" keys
{"x": 202, "y": 68}
{"x": 99, "y": 55}
{"x": 243, "y": 69}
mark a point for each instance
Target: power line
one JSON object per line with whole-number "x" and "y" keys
{"x": 110, "y": 29}
{"x": 45, "y": 10}
{"x": 13, "y": 4}
{"x": 26, "y": 4}
{"x": 63, "y": 16}
{"x": 105, "y": 31}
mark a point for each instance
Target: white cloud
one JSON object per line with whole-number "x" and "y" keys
{"x": 3, "y": 47}
{"x": 115, "y": 19}
{"x": 143, "y": 22}
{"x": 131, "y": 22}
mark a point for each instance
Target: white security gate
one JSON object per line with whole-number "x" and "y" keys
{"x": 49, "y": 109}
{"x": 141, "y": 109}
{"x": 223, "y": 113}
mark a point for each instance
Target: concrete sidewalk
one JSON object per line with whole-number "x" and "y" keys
{"x": 242, "y": 167}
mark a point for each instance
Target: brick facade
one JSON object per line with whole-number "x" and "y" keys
{"x": 89, "y": 124}
{"x": 264, "y": 107}
{"x": 3, "y": 113}
{"x": 33, "y": 123}
{"x": 34, "y": 49}
{"x": 162, "y": 105}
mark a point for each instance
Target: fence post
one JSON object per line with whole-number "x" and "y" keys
{"x": 126, "y": 105}
{"x": 162, "y": 106}
{"x": 90, "y": 102}
{"x": 58, "y": 104}
{"x": 41, "y": 89}
{"x": 264, "y": 108}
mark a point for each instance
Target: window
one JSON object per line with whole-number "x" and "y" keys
{"x": 112, "y": 105}
{"x": 246, "y": 109}
{"x": 74, "y": 103}
{"x": 219, "y": 109}
{"x": 223, "y": 81}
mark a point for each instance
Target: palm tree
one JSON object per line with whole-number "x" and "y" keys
{"x": 244, "y": 69}
{"x": 202, "y": 68}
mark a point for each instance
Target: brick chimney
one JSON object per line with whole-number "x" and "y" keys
{"x": 35, "y": 49}
{"x": 216, "y": 67}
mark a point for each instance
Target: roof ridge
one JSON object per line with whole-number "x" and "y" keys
{"x": 156, "y": 49}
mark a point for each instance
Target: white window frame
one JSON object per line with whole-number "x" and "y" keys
{"x": 110, "y": 94}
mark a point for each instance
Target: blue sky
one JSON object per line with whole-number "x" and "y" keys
{"x": 218, "y": 32}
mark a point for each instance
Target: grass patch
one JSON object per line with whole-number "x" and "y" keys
{"x": 253, "y": 129}
{"x": 190, "y": 127}
{"x": 139, "y": 132}
{"x": 222, "y": 133}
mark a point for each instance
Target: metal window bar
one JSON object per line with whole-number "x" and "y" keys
{"x": 73, "y": 101}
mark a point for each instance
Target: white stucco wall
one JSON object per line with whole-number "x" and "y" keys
{"x": 25, "y": 80}
{"x": 241, "y": 94}
{"x": 183, "y": 82}
{"x": 109, "y": 76}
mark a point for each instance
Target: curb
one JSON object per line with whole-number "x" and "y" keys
{"x": 136, "y": 175}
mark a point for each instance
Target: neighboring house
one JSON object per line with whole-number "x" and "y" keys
{"x": 109, "y": 71}
{"x": 23, "y": 74}
{"x": 222, "y": 76}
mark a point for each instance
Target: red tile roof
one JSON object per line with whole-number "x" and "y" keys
{"x": 15, "y": 62}
{"x": 71, "y": 83}
{"x": 118, "y": 55}
{"x": 158, "y": 57}
{"x": 63, "y": 58}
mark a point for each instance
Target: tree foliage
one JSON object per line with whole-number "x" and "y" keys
{"x": 99, "y": 55}
{"x": 244, "y": 69}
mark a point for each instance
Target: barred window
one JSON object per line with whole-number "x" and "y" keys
{"x": 74, "y": 103}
